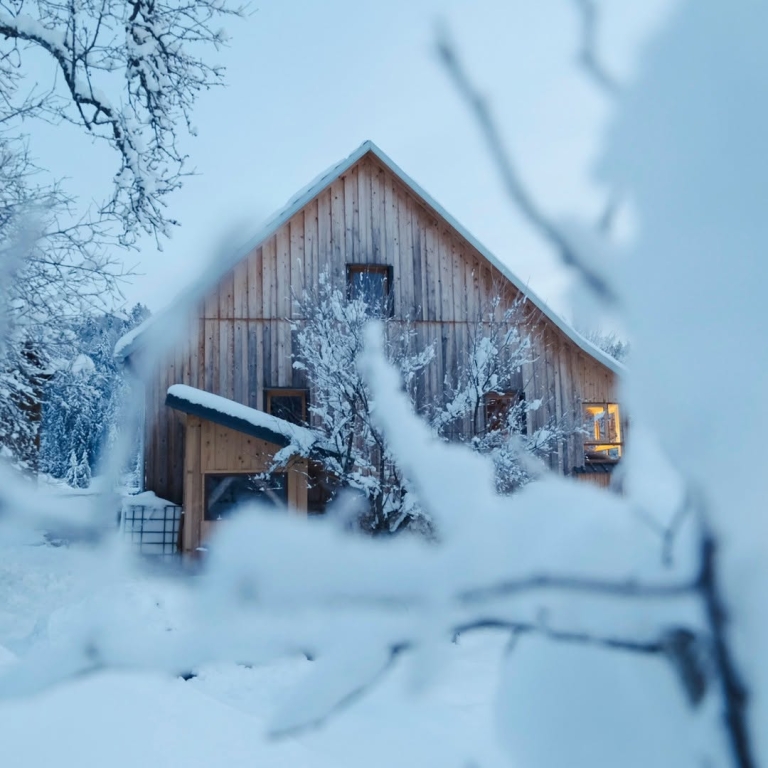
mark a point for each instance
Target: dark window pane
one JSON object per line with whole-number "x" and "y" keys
{"x": 320, "y": 488}
{"x": 289, "y": 407}
{"x": 500, "y": 407}
{"x": 371, "y": 287}
{"x": 223, "y": 493}
{"x": 371, "y": 284}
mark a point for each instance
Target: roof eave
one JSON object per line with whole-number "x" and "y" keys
{"x": 225, "y": 420}
{"x": 323, "y": 181}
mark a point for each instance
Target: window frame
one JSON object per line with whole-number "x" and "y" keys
{"x": 593, "y": 443}
{"x": 270, "y": 392}
{"x": 234, "y": 473}
{"x": 380, "y": 269}
{"x": 512, "y": 397}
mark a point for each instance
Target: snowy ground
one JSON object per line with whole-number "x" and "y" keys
{"x": 219, "y": 718}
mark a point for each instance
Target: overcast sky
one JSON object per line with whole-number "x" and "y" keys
{"x": 308, "y": 81}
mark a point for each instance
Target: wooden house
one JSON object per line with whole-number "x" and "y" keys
{"x": 364, "y": 216}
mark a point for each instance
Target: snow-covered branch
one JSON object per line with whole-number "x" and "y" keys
{"x": 132, "y": 72}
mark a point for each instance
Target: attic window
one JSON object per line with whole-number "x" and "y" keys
{"x": 372, "y": 283}
{"x": 287, "y": 404}
{"x": 604, "y": 438}
{"x": 500, "y": 406}
{"x": 225, "y": 492}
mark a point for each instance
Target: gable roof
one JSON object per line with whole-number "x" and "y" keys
{"x": 126, "y": 345}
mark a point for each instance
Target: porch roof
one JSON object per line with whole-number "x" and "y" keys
{"x": 241, "y": 418}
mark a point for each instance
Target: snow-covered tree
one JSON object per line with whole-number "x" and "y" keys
{"x": 23, "y": 373}
{"x": 481, "y": 402}
{"x": 79, "y": 471}
{"x": 329, "y": 339}
{"x": 82, "y": 399}
{"x": 53, "y": 268}
{"x": 611, "y": 343}
{"x": 128, "y": 74}
{"x": 484, "y": 402}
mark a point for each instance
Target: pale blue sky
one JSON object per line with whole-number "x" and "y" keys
{"x": 308, "y": 81}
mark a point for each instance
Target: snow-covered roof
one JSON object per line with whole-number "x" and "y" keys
{"x": 229, "y": 413}
{"x": 128, "y": 343}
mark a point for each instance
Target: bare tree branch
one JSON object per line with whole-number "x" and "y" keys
{"x": 588, "y": 56}
{"x": 626, "y": 589}
{"x": 513, "y": 184}
{"x": 734, "y": 691}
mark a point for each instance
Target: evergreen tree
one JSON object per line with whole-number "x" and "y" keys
{"x": 83, "y": 396}
{"x": 84, "y": 471}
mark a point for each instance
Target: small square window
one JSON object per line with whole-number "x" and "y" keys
{"x": 224, "y": 493}
{"x": 371, "y": 283}
{"x": 287, "y": 404}
{"x": 604, "y": 439}
{"x": 500, "y": 406}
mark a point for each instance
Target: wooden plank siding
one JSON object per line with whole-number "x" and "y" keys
{"x": 241, "y": 342}
{"x": 212, "y": 448}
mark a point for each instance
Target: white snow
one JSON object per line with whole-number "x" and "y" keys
{"x": 83, "y": 364}
{"x": 126, "y": 342}
{"x": 649, "y": 722}
{"x": 689, "y": 145}
{"x": 299, "y": 437}
{"x": 146, "y": 499}
{"x": 223, "y": 716}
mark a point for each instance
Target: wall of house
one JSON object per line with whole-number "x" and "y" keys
{"x": 240, "y": 343}
{"x": 211, "y": 447}
{"x": 601, "y": 480}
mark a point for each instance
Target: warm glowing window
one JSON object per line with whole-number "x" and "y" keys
{"x": 603, "y": 424}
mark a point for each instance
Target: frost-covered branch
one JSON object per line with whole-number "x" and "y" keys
{"x": 329, "y": 339}
{"x": 132, "y": 72}
{"x": 484, "y": 401}
{"x": 64, "y": 271}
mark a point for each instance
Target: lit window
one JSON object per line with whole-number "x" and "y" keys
{"x": 603, "y": 424}
{"x": 224, "y": 493}
{"x": 288, "y": 404}
{"x": 371, "y": 283}
{"x": 500, "y": 407}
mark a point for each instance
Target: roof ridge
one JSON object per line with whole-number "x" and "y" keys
{"x": 304, "y": 196}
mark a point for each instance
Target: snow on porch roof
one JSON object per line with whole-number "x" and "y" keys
{"x": 241, "y": 418}
{"x": 126, "y": 345}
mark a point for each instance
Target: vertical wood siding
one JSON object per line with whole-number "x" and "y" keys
{"x": 241, "y": 342}
{"x": 214, "y": 448}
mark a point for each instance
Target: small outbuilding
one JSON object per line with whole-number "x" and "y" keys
{"x": 230, "y": 452}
